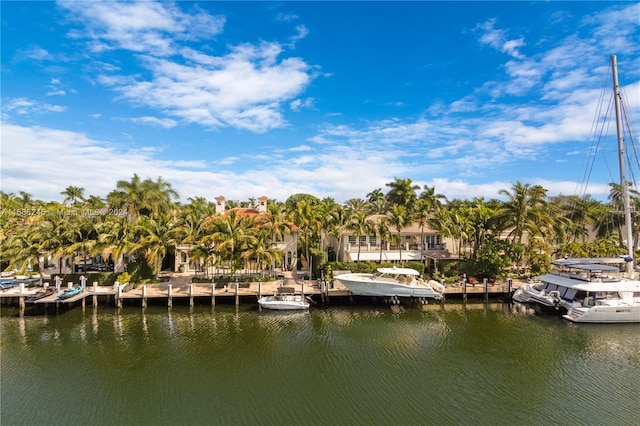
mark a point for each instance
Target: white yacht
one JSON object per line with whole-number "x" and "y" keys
{"x": 392, "y": 282}
{"x": 604, "y": 302}
{"x": 589, "y": 289}
{"x": 550, "y": 289}
{"x": 586, "y": 290}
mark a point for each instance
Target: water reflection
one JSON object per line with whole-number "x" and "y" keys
{"x": 360, "y": 364}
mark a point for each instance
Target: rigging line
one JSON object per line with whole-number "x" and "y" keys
{"x": 595, "y": 145}
{"x": 628, "y": 124}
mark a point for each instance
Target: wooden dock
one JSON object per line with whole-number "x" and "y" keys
{"x": 233, "y": 292}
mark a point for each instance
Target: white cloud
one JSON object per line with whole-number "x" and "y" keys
{"x": 298, "y": 104}
{"x": 497, "y": 39}
{"x": 27, "y": 107}
{"x": 166, "y": 123}
{"x": 244, "y": 88}
{"x": 141, "y": 26}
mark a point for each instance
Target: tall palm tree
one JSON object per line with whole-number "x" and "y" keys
{"x": 138, "y": 197}
{"x": 375, "y": 195}
{"x": 360, "y": 227}
{"x": 524, "y": 211}
{"x": 73, "y": 194}
{"x": 154, "y": 236}
{"x": 230, "y": 232}
{"x": 338, "y": 223}
{"x": 191, "y": 228}
{"x": 262, "y": 250}
{"x": 356, "y": 205}
{"x": 304, "y": 217}
{"x": 399, "y": 218}
{"x": 434, "y": 199}
{"x": 422, "y": 214}
{"x": 381, "y": 231}
{"x": 402, "y": 192}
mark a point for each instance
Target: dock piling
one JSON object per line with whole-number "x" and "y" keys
{"x": 485, "y": 282}
{"x": 464, "y": 289}
{"x": 169, "y": 301}
{"x": 213, "y": 294}
{"x": 144, "y": 296}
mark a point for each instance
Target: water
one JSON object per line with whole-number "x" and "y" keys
{"x": 472, "y": 364}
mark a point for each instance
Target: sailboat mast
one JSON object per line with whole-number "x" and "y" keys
{"x": 623, "y": 179}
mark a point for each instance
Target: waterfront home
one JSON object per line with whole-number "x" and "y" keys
{"x": 414, "y": 242}
{"x": 287, "y": 244}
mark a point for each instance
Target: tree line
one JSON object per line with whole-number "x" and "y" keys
{"x": 143, "y": 219}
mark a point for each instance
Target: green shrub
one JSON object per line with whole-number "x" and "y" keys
{"x": 124, "y": 278}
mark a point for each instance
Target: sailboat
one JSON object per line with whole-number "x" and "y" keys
{"x": 591, "y": 290}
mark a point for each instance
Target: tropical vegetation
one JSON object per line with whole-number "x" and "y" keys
{"x": 143, "y": 221}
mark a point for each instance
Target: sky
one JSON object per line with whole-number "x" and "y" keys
{"x": 330, "y": 98}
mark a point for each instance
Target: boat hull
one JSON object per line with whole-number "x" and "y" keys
{"x": 286, "y": 303}
{"x": 364, "y": 286}
{"x": 618, "y": 314}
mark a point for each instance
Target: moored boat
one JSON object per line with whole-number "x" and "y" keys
{"x": 584, "y": 290}
{"x": 70, "y": 292}
{"x": 40, "y": 294}
{"x": 392, "y": 282}
{"x": 284, "y": 302}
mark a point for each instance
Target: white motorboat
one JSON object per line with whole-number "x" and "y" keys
{"x": 284, "y": 302}
{"x": 392, "y": 282}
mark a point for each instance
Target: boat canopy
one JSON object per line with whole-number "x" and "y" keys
{"x": 594, "y": 268}
{"x": 398, "y": 271}
{"x": 592, "y": 260}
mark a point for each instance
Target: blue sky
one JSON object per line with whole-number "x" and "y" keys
{"x": 335, "y": 99}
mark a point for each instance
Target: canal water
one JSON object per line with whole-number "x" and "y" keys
{"x": 444, "y": 364}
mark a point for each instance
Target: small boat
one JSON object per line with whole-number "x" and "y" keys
{"x": 40, "y": 294}
{"x": 70, "y": 292}
{"x": 284, "y": 301}
{"x": 392, "y": 282}
{"x": 6, "y": 283}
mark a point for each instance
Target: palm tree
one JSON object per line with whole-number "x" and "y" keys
{"x": 356, "y": 205}
{"x": 230, "y": 232}
{"x": 381, "y": 231}
{"x": 360, "y": 227}
{"x": 191, "y": 229}
{"x": 154, "y": 238}
{"x": 431, "y": 197}
{"x": 524, "y": 211}
{"x": 139, "y": 197}
{"x": 73, "y": 194}
{"x": 399, "y": 218}
{"x": 375, "y": 195}
{"x": 304, "y": 218}
{"x": 422, "y": 214}
{"x": 262, "y": 250}
{"x": 338, "y": 223}
{"x": 402, "y": 192}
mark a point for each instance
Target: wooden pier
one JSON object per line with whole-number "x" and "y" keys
{"x": 230, "y": 293}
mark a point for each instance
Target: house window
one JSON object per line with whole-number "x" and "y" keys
{"x": 363, "y": 241}
{"x": 373, "y": 241}
{"x": 352, "y": 240}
